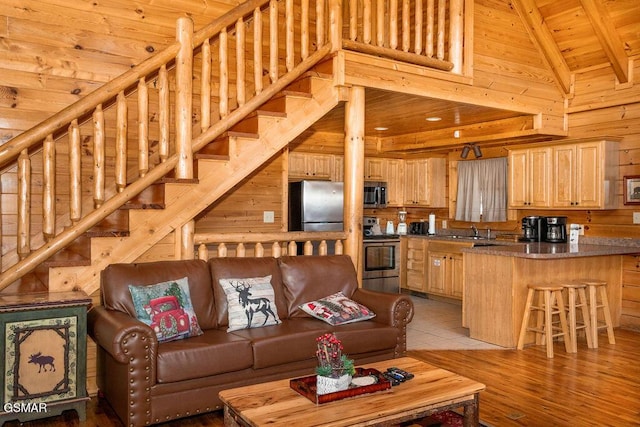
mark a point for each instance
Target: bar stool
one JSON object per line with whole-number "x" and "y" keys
{"x": 595, "y": 286}
{"x": 577, "y": 299}
{"x": 550, "y": 303}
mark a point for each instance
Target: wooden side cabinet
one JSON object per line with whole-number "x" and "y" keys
{"x": 44, "y": 337}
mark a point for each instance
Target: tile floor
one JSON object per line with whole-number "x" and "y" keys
{"x": 437, "y": 325}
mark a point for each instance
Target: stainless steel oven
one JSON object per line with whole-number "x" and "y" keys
{"x": 381, "y": 266}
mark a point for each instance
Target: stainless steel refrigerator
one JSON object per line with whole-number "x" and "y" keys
{"x": 316, "y": 206}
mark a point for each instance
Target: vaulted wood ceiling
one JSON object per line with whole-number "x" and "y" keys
{"x": 571, "y": 35}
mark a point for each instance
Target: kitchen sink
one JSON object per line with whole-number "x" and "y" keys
{"x": 456, "y": 236}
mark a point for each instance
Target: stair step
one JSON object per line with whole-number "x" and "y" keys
{"x": 114, "y": 225}
{"x": 304, "y": 83}
{"x": 279, "y": 101}
{"x": 151, "y": 197}
{"x": 27, "y": 284}
{"x": 252, "y": 122}
{"x": 221, "y": 145}
{"x": 77, "y": 253}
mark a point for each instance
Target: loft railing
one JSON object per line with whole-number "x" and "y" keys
{"x": 77, "y": 167}
{"x": 210, "y": 245}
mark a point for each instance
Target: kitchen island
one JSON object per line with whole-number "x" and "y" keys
{"x": 496, "y": 279}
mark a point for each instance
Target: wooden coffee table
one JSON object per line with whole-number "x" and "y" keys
{"x": 432, "y": 390}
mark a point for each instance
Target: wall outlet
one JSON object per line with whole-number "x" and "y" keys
{"x": 581, "y": 230}
{"x": 636, "y": 217}
{"x": 268, "y": 217}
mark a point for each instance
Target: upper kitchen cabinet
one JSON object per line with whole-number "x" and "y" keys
{"x": 393, "y": 175}
{"x": 374, "y": 169}
{"x": 387, "y": 170}
{"x": 311, "y": 166}
{"x": 530, "y": 178}
{"x": 424, "y": 182}
{"x": 585, "y": 175}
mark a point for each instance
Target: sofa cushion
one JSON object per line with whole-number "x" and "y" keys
{"x": 166, "y": 307}
{"x": 239, "y": 268}
{"x": 250, "y": 303}
{"x": 116, "y": 278}
{"x": 366, "y": 337}
{"x": 214, "y": 352}
{"x": 337, "y": 309}
{"x": 290, "y": 341}
{"x": 309, "y": 278}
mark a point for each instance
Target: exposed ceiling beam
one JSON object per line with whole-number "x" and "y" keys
{"x": 609, "y": 39}
{"x": 543, "y": 38}
{"x": 497, "y": 131}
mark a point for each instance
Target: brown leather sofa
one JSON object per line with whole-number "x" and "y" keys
{"x": 146, "y": 382}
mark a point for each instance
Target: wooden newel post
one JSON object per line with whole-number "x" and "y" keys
{"x": 184, "y": 101}
{"x": 335, "y": 24}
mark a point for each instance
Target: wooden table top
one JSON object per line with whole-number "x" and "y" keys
{"x": 275, "y": 403}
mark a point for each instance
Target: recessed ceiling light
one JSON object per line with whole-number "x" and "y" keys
{"x": 381, "y": 128}
{"x": 434, "y": 119}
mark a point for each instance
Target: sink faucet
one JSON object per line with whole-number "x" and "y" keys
{"x": 475, "y": 230}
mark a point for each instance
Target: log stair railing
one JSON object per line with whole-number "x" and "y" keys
{"x": 118, "y": 142}
{"x": 222, "y": 245}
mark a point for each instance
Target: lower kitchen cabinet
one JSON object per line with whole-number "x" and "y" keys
{"x": 445, "y": 266}
{"x": 445, "y": 274}
{"x": 413, "y": 271}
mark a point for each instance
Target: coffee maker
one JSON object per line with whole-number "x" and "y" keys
{"x": 533, "y": 229}
{"x": 556, "y": 229}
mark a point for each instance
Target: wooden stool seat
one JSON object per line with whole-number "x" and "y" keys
{"x": 577, "y": 299}
{"x": 550, "y": 303}
{"x": 595, "y": 287}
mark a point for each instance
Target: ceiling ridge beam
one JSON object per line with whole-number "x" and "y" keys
{"x": 609, "y": 38}
{"x": 542, "y": 37}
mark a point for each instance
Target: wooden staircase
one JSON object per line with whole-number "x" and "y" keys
{"x": 220, "y": 165}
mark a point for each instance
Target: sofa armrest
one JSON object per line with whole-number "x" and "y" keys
{"x": 390, "y": 309}
{"x": 122, "y": 336}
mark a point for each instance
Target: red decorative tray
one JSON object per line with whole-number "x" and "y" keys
{"x": 306, "y": 386}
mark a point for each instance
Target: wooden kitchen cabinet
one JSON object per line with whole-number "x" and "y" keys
{"x": 374, "y": 169}
{"x": 387, "y": 170}
{"x": 393, "y": 175}
{"x": 530, "y": 178}
{"x": 445, "y": 266}
{"x": 585, "y": 175}
{"x": 413, "y": 271}
{"x": 424, "y": 182}
{"x": 311, "y": 166}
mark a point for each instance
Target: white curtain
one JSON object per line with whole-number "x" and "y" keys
{"x": 482, "y": 190}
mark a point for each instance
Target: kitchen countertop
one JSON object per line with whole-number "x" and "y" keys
{"x": 589, "y": 247}
{"x": 552, "y": 250}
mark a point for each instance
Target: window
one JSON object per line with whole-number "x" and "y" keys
{"x": 482, "y": 190}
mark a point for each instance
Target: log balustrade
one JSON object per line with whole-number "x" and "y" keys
{"x": 120, "y": 138}
{"x": 210, "y": 245}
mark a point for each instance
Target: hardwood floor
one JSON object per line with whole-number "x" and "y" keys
{"x": 595, "y": 387}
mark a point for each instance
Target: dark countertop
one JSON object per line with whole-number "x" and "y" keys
{"x": 552, "y": 250}
{"x": 589, "y": 247}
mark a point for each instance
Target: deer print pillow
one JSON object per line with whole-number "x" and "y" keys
{"x": 166, "y": 307}
{"x": 251, "y": 303}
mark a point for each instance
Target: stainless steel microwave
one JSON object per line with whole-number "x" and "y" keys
{"x": 375, "y": 194}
